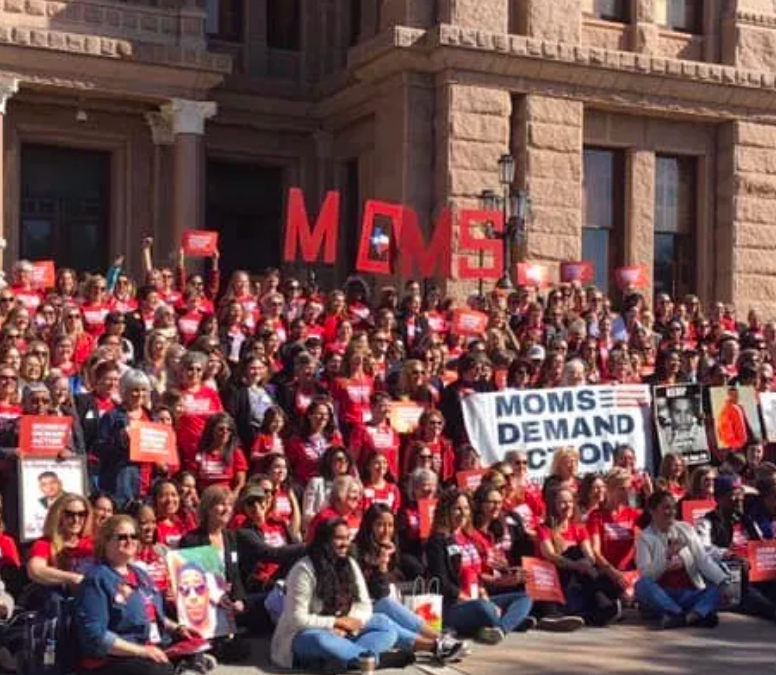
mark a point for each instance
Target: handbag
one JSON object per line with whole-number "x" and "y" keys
{"x": 425, "y": 601}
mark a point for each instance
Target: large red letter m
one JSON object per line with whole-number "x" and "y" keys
{"x": 323, "y": 234}
{"x": 415, "y": 256}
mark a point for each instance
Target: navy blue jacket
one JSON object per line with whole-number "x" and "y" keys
{"x": 103, "y": 613}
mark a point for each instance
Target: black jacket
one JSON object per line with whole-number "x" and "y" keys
{"x": 444, "y": 566}
{"x": 200, "y": 537}
{"x": 89, "y": 417}
{"x": 252, "y": 549}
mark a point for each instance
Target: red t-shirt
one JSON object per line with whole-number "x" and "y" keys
{"x": 197, "y": 407}
{"x": 188, "y": 325}
{"x": 70, "y": 559}
{"x": 274, "y": 537}
{"x": 388, "y": 495}
{"x": 154, "y": 563}
{"x": 94, "y": 317}
{"x": 124, "y": 306}
{"x": 573, "y": 535}
{"x": 368, "y": 438}
{"x": 170, "y": 532}
{"x": 9, "y": 551}
{"x": 353, "y": 520}
{"x": 471, "y": 564}
{"x": 10, "y": 411}
{"x": 265, "y": 444}
{"x": 352, "y": 398}
{"x": 304, "y": 455}
{"x": 617, "y": 530}
{"x": 283, "y": 511}
{"x": 30, "y": 299}
{"x": 213, "y": 469}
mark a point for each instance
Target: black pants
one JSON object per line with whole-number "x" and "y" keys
{"x": 131, "y": 666}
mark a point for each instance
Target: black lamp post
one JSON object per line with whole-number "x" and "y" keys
{"x": 516, "y": 206}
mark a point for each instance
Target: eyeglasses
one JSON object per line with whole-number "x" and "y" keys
{"x": 253, "y": 501}
{"x": 74, "y": 515}
{"x": 186, "y": 591}
{"x": 426, "y": 457}
{"x": 7, "y": 378}
{"x": 40, "y": 400}
{"x": 340, "y": 458}
{"x": 7, "y": 299}
{"x": 521, "y": 462}
{"x": 125, "y": 537}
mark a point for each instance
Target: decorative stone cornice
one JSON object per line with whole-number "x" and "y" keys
{"x": 188, "y": 117}
{"x": 161, "y": 128}
{"x": 756, "y": 19}
{"x": 9, "y": 85}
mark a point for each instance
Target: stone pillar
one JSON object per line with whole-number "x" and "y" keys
{"x": 188, "y": 127}
{"x": 559, "y": 20}
{"x": 640, "y": 211}
{"x": 490, "y": 15}
{"x": 548, "y": 146}
{"x": 472, "y": 132}
{"x": 746, "y": 231}
{"x": 9, "y": 85}
{"x": 162, "y": 181}
{"x": 644, "y": 37}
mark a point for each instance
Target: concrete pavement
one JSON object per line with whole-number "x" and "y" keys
{"x": 739, "y": 646}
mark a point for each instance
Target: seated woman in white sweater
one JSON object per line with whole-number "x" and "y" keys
{"x": 327, "y": 618}
{"x": 679, "y": 580}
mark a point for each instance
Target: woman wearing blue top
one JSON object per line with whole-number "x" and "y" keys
{"x": 119, "y": 613}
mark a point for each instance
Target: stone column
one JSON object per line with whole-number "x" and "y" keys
{"x": 644, "y": 36}
{"x": 9, "y": 85}
{"x": 188, "y": 127}
{"x": 640, "y": 211}
{"x": 548, "y": 146}
{"x": 163, "y": 175}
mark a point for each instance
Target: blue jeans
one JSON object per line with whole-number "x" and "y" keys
{"x": 315, "y": 646}
{"x": 407, "y": 623}
{"x": 127, "y": 484}
{"x": 469, "y": 616}
{"x": 677, "y": 600}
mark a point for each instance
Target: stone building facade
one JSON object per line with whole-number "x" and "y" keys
{"x": 643, "y": 130}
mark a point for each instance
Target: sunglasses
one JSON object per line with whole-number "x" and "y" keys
{"x": 186, "y": 591}
{"x": 253, "y": 501}
{"x": 124, "y": 538}
{"x": 521, "y": 462}
{"x": 425, "y": 457}
{"x": 7, "y": 378}
{"x": 75, "y": 515}
{"x": 6, "y": 299}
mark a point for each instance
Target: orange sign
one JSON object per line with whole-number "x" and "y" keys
{"x": 582, "y": 271}
{"x": 469, "y": 322}
{"x": 500, "y": 376}
{"x": 469, "y": 480}
{"x": 426, "y": 509}
{"x": 152, "y": 442}
{"x": 631, "y": 577}
{"x": 200, "y": 243}
{"x": 693, "y": 510}
{"x": 404, "y": 416}
{"x": 533, "y": 274}
{"x": 635, "y": 276}
{"x": 762, "y": 560}
{"x": 542, "y": 581}
{"x": 44, "y": 435}
{"x": 43, "y": 274}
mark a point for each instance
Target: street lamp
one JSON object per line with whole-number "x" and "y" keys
{"x": 516, "y": 207}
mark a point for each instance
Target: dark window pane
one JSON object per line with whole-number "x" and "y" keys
{"x": 599, "y": 188}
{"x": 611, "y": 10}
{"x": 595, "y": 248}
{"x": 283, "y": 24}
{"x": 685, "y": 15}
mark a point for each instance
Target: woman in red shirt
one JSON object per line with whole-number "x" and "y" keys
{"x": 377, "y": 435}
{"x": 61, "y": 557}
{"x": 285, "y": 507}
{"x": 270, "y": 439}
{"x": 151, "y": 555}
{"x": 430, "y": 427}
{"x": 81, "y": 342}
{"x": 673, "y": 475}
{"x": 170, "y": 526}
{"x": 352, "y": 392}
{"x": 316, "y": 435}
{"x": 198, "y": 403}
{"x": 10, "y": 562}
{"x": 345, "y": 502}
{"x": 379, "y": 486}
{"x": 218, "y": 460}
{"x": 612, "y": 529}
{"x": 566, "y": 544}
{"x": 96, "y": 305}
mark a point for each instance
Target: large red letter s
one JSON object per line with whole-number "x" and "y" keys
{"x": 310, "y": 241}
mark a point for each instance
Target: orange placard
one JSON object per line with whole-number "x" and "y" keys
{"x": 200, "y": 243}
{"x": 44, "y": 435}
{"x": 693, "y": 510}
{"x": 43, "y": 274}
{"x": 634, "y": 276}
{"x": 582, "y": 271}
{"x": 469, "y": 322}
{"x": 533, "y": 274}
{"x": 470, "y": 480}
{"x": 500, "y": 378}
{"x": 404, "y": 416}
{"x": 631, "y": 577}
{"x": 426, "y": 508}
{"x": 762, "y": 560}
{"x": 542, "y": 582}
{"x": 153, "y": 442}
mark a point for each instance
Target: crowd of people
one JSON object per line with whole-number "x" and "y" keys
{"x": 280, "y": 398}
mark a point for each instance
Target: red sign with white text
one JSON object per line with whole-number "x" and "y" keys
{"x": 533, "y": 274}
{"x": 43, "y": 274}
{"x": 426, "y": 509}
{"x": 200, "y": 243}
{"x": 152, "y": 442}
{"x": 542, "y": 581}
{"x": 762, "y": 560}
{"x": 469, "y": 322}
{"x": 693, "y": 510}
{"x": 44, "y": 435}
{"x": 634, "y": 276}
{"x": 582, "y": 271}
{"x": 469, "y": 480}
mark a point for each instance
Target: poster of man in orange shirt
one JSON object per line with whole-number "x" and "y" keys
{"x": 736, "y": 421}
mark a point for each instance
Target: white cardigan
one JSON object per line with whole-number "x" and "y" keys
{"x": 302, "y": 609}
{"x": 652, "y": 555}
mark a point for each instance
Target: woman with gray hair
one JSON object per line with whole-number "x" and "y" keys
{"x": 118, "y": 475}
{"x": 421, "y": 491}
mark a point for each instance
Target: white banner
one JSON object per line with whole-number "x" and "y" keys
{"x": 595, "y": 420}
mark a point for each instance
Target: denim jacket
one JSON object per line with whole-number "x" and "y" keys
{"x": 104, "y": 612}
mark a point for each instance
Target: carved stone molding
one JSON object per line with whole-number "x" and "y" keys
{"x": 161, "y": 128}
{"x": 9, "y": 85}
{"x": 188, "y": 117}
